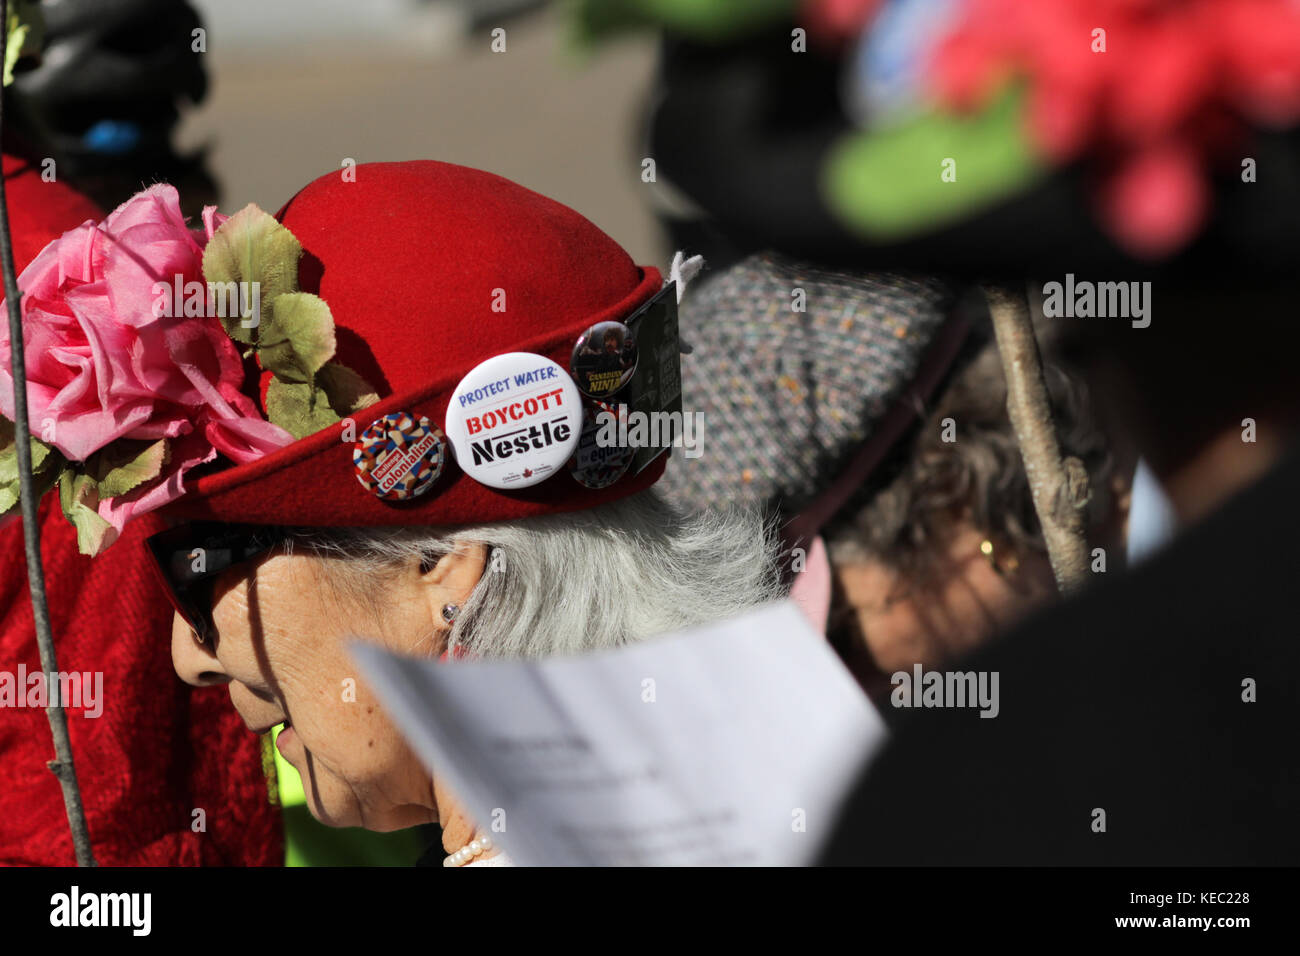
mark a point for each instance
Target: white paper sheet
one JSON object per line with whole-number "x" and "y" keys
{"x": 730, "y": 744}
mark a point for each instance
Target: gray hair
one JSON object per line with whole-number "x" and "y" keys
{"x": 602, "y": 577}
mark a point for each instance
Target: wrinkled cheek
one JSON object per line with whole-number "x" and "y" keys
{"x": 374, "y": 766}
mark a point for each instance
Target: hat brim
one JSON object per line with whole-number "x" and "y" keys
{"x": 313, "y": 481}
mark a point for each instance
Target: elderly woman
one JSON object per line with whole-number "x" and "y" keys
{"x": 616, "y": 573}
{"x": 359, "y": 416}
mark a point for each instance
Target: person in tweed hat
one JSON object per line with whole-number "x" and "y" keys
{"x": 870, "y": 407}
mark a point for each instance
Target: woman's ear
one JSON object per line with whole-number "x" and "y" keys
{"x": 453, "y": 577}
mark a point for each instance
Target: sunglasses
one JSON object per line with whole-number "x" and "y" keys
{"x": 188, "y": 559}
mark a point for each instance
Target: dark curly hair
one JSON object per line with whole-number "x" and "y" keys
{"x": 905, "y": 514}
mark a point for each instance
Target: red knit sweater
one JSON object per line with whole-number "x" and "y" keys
{"x": 159, "y": 751}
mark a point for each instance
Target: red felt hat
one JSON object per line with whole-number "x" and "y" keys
{"x": 39, "y": 209}
{"x": 411, "y": 258}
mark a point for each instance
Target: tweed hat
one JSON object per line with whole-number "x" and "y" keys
{"x": 805, "y": 376}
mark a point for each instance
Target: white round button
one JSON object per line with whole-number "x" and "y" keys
{"x": 514, "y": 420}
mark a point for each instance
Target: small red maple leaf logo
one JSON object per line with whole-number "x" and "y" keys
{"x": 528, "y": 473}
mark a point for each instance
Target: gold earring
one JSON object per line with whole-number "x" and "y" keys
{"x": 1004, "y": 568}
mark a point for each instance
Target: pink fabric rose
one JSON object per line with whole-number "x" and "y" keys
{"x": 102, "y": 366}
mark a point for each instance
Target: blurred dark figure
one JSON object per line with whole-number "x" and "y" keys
{"x": 105, "y": 95}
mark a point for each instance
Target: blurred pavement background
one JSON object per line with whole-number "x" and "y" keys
{"x": 297, "y": 86}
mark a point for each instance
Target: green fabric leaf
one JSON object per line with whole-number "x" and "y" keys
{"x": 9, "y": 453}
{"x": 26, "y": 34}
{"x": 251, "y": 246}
{"x": 8, "y": 468}
{"x": 299, "y": 338}
{"x": 300, "y": 408}
{"x": 344, "y": 389}
{"x": 707, "y": 20}
{"x": 46, "y": 464}
{"x": 125, "y": 465}
{"x": 79, "y": 500}
{"x": 887, "y": 184}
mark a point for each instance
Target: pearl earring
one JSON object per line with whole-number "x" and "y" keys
{"x": 449, "y": 612}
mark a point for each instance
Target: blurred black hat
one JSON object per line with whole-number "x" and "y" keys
{"x": 981, "y": 137}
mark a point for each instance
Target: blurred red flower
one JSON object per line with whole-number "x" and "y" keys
{"x": 835, "y": 23}
{"x": 1152, "y": 89}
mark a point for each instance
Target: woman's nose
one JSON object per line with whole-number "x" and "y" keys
{"x": 195, "y": 663}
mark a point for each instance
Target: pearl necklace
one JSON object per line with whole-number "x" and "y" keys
{"x": 468, "y": 852}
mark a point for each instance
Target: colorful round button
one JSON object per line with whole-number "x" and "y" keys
{"x": 514, "y": 420}
{"x": 399, "y": 456}
{"x": 604, "y": 359}
{"x": 595, "y": 465}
